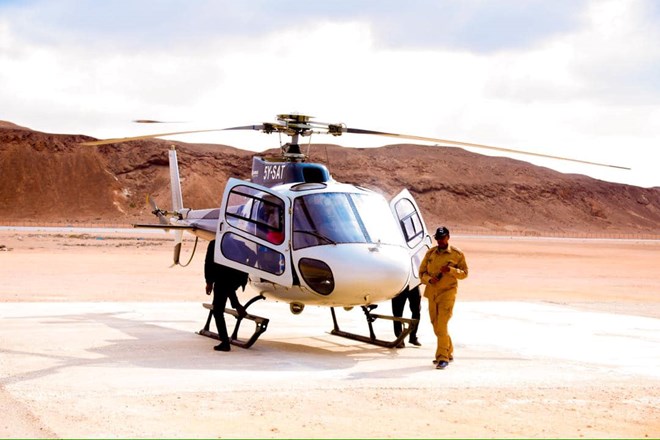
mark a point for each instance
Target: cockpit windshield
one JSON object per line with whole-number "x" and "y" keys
{"x": 331, "y": 218}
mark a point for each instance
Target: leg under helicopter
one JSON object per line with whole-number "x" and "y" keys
{"x": 261, "y": 324}
{"x": 413, "y": 298}
{"x": 408, "y": 326}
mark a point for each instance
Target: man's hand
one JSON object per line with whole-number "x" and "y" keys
{"x": 445, "y": 269}
{"x": 209, "y": 288}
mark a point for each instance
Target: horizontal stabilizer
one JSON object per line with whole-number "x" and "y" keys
{"x": 165, "y": 227}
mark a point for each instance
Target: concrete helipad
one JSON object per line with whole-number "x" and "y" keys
{"x": 89, "y": 369}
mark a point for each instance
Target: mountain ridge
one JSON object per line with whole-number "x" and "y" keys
{"x": 51, "y": 178}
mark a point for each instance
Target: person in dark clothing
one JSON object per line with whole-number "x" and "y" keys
{"x": 398, "y": 304}
{"x": 223, "y": 282}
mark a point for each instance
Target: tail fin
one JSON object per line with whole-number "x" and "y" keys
{"x": 177, "y": 200}
{"x": 175, "y": 182}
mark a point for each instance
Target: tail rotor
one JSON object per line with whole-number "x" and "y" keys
{"x": 155, "y": 210}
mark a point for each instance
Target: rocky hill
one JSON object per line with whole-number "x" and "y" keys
{"x": 48, "y": 178}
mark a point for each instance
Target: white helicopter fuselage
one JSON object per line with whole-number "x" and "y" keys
{"x": 314, "y": 243}
{"x": 363, "y": 272}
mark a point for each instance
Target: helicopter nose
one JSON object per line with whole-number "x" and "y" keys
{"x": 367, "y": 274}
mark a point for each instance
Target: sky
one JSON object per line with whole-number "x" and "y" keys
{"x": 573, "y": 78}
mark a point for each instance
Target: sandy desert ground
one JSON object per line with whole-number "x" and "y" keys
{"x": 554, "y": 338}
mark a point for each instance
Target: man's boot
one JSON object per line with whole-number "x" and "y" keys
{"x": 224, "y": 346}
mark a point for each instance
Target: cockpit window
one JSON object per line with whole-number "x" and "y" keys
{"x": 331, "y": 218}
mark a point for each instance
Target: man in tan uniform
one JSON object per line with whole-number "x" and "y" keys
{"x": 442, "y": 267}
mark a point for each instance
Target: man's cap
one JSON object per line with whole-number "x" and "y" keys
{"x": 441, "y": 232}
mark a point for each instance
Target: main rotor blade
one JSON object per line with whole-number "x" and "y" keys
{"x": 151, "y": 136}
{"x": 468, "y": 144}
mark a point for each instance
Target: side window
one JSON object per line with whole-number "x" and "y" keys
{"x": 252, "y": 254}
{"x": 410, "y": 222}
{"x": 257, "y": 213}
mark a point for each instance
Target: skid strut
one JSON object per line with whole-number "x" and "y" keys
{"x": 261, "y": 324}
{"x": 408, "y": 325}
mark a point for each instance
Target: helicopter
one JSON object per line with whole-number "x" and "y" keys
{"x": 304, "y": 238}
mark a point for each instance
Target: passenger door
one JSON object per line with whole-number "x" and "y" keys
{"x": 413, "y": 229}
{"x": 254, "y": 232}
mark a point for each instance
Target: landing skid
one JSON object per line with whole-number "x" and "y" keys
{"x": 408, "y": 325}
{"x": 261, "y": 324}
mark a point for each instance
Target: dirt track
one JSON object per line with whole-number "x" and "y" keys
{"x": 555, "y": 338}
